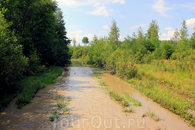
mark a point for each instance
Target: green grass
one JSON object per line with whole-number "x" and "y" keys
{"x": 151, "y": 114}
{"x": 168, "y": 88}
{"x": 115, "y": 95}
{"x": 125, "y": 103}
{"x": 32, "y": 84}
{"x": 102, "y": 83}
{"x": 96, "y": 75}
{"x": 62, "y": 103}
{"x": 128, "y": 109}
{"x": 131, "y": 99}
{"x": 119, "y": 98}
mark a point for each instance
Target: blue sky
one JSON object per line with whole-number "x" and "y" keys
{"x": 94, "y": 17}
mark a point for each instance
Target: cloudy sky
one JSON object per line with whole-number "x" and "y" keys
{"x": 94, "y": 17}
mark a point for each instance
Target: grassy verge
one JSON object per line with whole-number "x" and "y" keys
{"x": 61, "y": 108}
{"x": 168, "y": 88}
{"x": 32, "y": 84}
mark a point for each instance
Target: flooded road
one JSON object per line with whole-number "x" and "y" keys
{"x": 90, "y": 108}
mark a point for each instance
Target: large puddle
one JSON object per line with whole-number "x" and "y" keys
{"x": 90, "y": 107}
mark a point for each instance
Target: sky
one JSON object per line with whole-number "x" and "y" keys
{"x": 94, "y": 17}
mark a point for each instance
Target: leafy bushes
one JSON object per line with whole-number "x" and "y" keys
{"x": 32, "y": 36}
{"x": 32, "y": 84}
{"x": 121, "y": 64}
{"x": 12, "y": 60}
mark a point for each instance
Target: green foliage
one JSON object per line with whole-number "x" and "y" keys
{"x": 128, "y": 109}
{"x": 115, "y": 95}
{"x": 131, "y": 99}
{"x": 85, "y": 40}
{"x": 39, "y": 26}
{"x": 151, "y": 114}
{"x": 120, "y": 63}
{"x": 114, "y": 34}
{"x": 134, "y": 59}
{"x": 78, "y": 52}
{"x": 32, "y": 84}
{"x": 184, "y": 33}
{"x": 102, "y": 83}
{"x": 12, "y": 62}
{"x": 32, "y": 36}
{"x": 193, "y": 41}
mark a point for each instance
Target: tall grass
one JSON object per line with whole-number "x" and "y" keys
{"x": 32, "y": 84}
{"x": 166, "y": 93}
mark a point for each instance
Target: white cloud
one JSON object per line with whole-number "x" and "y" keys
{"x": 90, "y": 36}
{"x": 137, "y": 26}
{"x": 106, "y": 27}
{"x": 119, "y": 1}
{"x": 167, "y": 36}
{"x": 190, "y": 23}
{"x": 76, "y": 34}
{"x": 100, "y": 10}
{"x": 159, "y": 6}
{"x": 87, "y": 2}
{"x": 168, "y": 28}
{"x": 99, "y": 5}
{"x": 121, "y": 38}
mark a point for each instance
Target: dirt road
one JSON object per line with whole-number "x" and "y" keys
{"x": 90, "y": 107}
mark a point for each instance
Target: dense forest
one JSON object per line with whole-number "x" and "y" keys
{"x": 33, "y": 37}
{"x": 163, "y": 70}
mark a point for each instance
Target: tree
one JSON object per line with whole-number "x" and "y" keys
{"x": 153, "y": 30}
{"x": 140, "y": 33}
{"x": 184, "y": 33}
{"x": 193, "y": 39}
{"x": 114, "y": 33}
{"x": 12, "y": 60}
{"x": 152, "y": 34}
{"x": 175, "y": 35}
{"x": 74, "y": 41}
{"x": 85, "y": 40}
{"x": 40, "y": 28}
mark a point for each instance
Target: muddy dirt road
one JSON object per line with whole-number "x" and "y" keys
{"x": 90, "y": 107}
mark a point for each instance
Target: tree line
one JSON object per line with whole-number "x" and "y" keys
{"x": 140, "y": 48}
{"x": 32, "y": 37}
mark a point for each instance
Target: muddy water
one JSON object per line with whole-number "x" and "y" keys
{"x": 90, "y": 107}
{"x": 168, "y": 119}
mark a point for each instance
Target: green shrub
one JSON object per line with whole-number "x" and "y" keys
{"x": 32, "y": 84}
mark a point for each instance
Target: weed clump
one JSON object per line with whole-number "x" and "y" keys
{"x": 61, "y": 107}
{"x": 131, "y": 99}
{"x": 128, "y": 109}
{"x": 151, "y": 114}
{"x": 102, "y": 83}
